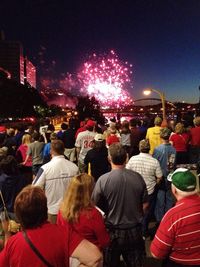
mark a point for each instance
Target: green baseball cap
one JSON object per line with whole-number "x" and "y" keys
{"x": 183, "y": 179}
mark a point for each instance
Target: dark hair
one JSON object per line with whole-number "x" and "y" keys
{"x": 98, "y": 145}
{"x": 35, "y": 136}
{"x": 51, "y": 128}
{"x": 90, "y": 128}
{"x": 117, "y": 153}
{"x": 19, "y": 127}
{"x": 64, "y": 126}
{"x": 58, "y": 147}
{"x": 9, "y": 165}
{"x": 125, "y": 127}
{"x": 133, "y": 122}
{"x": 31, "y": 207}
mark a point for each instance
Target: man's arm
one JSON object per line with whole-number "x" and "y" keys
{"x": 87, "y": 254}
{"x": 163, "y": 241}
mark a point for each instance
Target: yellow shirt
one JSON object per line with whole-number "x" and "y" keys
{"x": 153, "y": 134}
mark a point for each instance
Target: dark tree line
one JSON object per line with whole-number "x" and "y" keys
{"x": 89, "y": 108}
{"x": 18, "y": 100}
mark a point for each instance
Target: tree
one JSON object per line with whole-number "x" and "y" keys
{"x": 18, "y": 100}
{"x": 89, "y": 108}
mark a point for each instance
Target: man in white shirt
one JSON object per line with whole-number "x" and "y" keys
{"x": 54, "y": 177}
{"x": 84, "y": 142}
{"x": 149, "y": 168}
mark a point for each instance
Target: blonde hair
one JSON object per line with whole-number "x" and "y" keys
{"x": 26, "y": 139}
{"x": 179, "y": 128}
{"x": 197, "y": 121}
{"x": 77, "y": 197}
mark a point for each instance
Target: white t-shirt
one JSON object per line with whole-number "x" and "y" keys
{"x": 54, "y": 177}
{"x": 84, "y": 141}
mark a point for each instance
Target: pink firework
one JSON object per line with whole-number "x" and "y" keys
{"x": 107, "y": 79}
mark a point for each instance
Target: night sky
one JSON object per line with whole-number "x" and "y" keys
{"x": 160, "y": 38}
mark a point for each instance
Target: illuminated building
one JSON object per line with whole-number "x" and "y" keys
{"x": 12, "y": 60}
{"x": 29, "y": 73}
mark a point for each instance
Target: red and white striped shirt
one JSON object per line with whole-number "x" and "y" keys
{"x": 178, "y": 236}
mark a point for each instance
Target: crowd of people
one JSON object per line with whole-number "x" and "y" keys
{"x": 86, "y": 196}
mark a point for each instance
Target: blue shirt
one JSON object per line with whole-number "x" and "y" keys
{"x": 166, "y": 155}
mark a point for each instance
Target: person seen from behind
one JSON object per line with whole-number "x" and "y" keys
{"x": 180, "y": 140}
{"x": 166, "y": 155}
{"x": 194, "y": 151}
{"x": 54, "y": 177}
{"x": 177, "y": 240}
{"x": 96, "y": 159}
{"x": 35, "y": 150}
{"x": 21, "y": 154}
{"x": 125, "y": 139}
{"x": 55, "y": 243}
{"x": 153, "y": 134}
{"x": 122, "y": 195}
{"x": 78, "y": 210}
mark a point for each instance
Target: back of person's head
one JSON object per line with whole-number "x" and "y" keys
{"x": 184, "y": 181}
{"x": 77, "y": 197}
{"x": 9, "y": 166}
{"x": 64, "y": 126}
{"x": 53, "y": 136}
{"x": 26, "y": 139}
{"x": 133, "y": 122}
{"x": 157, "y": 121}
{"x": 125, "y": 127}
{"x": 99, "y": 141}
{"x": 31, "y": 129}
{"x": 196, "y": 121}
{"x": 11, "y": 132}
{"x": 179, "y": 128}
{"x": 57, "y": 147}
{"x": 125, "y": 124}
{"x": 36, "y": 136}
{"x": 51, "y": 128}
{"x": 165, "y": 133}
{"x": 144, "y": 146}
{"x": 3, "y": 152}
{"x": 90, "y": 125}
{"x": 31, "y": 207}
{"x": 117, "y": 154}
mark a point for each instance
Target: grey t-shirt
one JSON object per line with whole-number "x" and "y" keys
{"x": 35, "y": 150}
{"x": 121, "y": 194}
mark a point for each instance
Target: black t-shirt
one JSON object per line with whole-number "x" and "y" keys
{"x": 98, "y": 160}
{"x": 68, "y": 138}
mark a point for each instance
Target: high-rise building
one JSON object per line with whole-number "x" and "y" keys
{"x": 29, "y": 73}
{"x": 12, "y": 59}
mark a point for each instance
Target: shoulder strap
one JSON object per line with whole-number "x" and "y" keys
{"x": 4, "y": 206}
{"x": 35, "y": 250}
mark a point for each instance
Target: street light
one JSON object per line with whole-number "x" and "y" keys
{"x": 162, "y": 97}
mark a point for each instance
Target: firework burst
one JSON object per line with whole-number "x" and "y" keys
{"x": 107, "y": 78}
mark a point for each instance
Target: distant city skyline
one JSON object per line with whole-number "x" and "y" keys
{"x": 161, "y": 39}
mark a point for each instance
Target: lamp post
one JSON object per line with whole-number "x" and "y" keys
{"x": 162, "y": 97}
